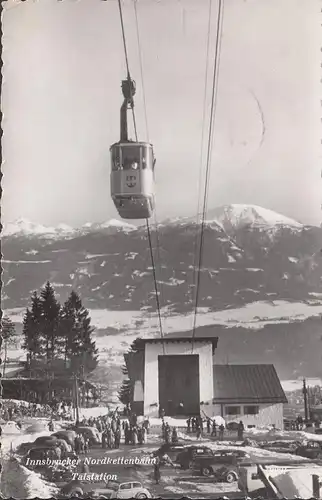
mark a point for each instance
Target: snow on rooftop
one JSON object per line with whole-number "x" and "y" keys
{"x": 295, "y": 482}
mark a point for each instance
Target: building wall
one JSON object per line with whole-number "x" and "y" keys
{"x": 151, "y": 372}
{"x": 269, "y": 414}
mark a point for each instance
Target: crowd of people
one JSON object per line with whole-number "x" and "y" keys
{"x": 112, "y": 429}
{"x": 15, "y": 410}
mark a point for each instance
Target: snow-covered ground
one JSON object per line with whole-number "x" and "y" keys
{"x": 19, "y": 482}
{"x": 16, "y": 480}
{"x": 254, "y": 315}
{"x": 296, "y": 385}
{"x": 265, "y": 433}
{"x": 94, "y": 412}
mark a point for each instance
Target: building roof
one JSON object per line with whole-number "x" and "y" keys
{"x": 172, "y": 340}
{"x": 247, "y": 384}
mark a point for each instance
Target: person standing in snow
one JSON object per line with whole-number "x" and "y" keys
{"x": 144, "y": 435}
{"x": 167, "y": 433}
{"x": 221, "y": 432}
{"x": 174, "y": 437}
{"x": 85, "y": 468}
{"x": 157, "y": 473}
{"x": 240, "y": 431}
{"x": 146, "y": 425}
{"x": 86, "y": 446}
{"x": 117, "y": 438}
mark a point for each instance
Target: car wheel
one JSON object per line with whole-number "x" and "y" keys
{"x": 141, "y": 495}
{"x": 231, "y": 477}
{"x": 206, "y": 471}
{"x": 77, "y": 493}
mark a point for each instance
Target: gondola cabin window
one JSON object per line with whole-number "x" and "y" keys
{"x": 131, "y": 157}
{"x": 116, "y": 158}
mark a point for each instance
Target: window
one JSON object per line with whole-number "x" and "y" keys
{"x": 125, "y": 486}
{"x": 116, "y": 163}
{"x": 147, "y": 157}
{"x": 313, "y": 444}
{"x": 131, "y": 157}
{"x": 251, "y": 410}
{"x": 137, "y": 485}
{"x": 232, "y": 410}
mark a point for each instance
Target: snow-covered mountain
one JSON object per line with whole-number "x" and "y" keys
{"x": 25, "y": 228}
{"x": 250, "y": 256}
{"x": 237, "y": 216}
{"x": 249, "y": 253}
{"x": 113, "y": 223}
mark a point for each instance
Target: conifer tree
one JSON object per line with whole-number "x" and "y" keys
{"x": 126, "y": 392}
{"x": 31, "y": 332}
{"x": 67, "y": 329}
{"x": 8, "y": 333}
{"x": 62, "y": 335}
{"x": 37, "y": 321}
{"x": 50, "y": 321}
{"x": 81, "y": 349}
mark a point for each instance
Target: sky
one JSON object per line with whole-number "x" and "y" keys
{"x": 63, "y": 65}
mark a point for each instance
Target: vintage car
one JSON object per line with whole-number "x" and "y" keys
{"x": 171, "y": 450}
{"x": 310, "y": 449}
{"x": 190, "y": 453}
{"x": 90, "y": 433}
{"x": 115, "y": 489}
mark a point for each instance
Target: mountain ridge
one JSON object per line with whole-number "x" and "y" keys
{"x": 249, "y": 267}
{"x": 109, "y": 264}
{"x": 233, "y": 215}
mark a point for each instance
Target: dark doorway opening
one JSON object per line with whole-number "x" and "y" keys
{"x": 179, "y": 384}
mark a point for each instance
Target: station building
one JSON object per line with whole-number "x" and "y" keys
{"x": 179, "y": 376}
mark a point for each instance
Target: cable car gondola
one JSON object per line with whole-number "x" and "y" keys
{"x": 132, "y": 168}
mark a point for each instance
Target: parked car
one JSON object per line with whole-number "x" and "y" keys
{"x": 73, "y": 489}
{"x": 46, "y": 441}
{"x": 10, "y": 426}
{"x": 191, "y": 457}
{"x": 172, "y": 450}
{"x": 90, "y": 433}
{"x": 221, "y": 473}
{"x": 68, "y": 436}
{"x": 280, "y": 446}
{"x": 312, "y": 449}
{"x": 115, "y": 489}
{"x": 232, "y": 426}
{"x": 190, "y": 453}
{"x": 37, "y": 457}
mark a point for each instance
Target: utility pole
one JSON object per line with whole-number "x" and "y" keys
{"x": 316, "y": 486}
{"x": 76, "y": 399}
{"x": 306, "y": 406}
